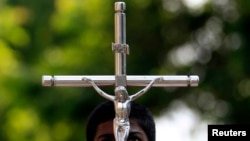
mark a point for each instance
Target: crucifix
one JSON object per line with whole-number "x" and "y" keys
{"x": 120, "y": 80}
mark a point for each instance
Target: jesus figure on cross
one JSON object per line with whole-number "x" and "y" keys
{"x": 122, "y": 106}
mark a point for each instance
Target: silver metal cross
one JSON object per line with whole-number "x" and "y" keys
{"x": 120, "y": 80}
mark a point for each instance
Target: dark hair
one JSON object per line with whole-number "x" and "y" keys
{"x": 105, "y": 112}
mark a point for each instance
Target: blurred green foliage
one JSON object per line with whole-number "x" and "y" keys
{"x": 66, "y": 37}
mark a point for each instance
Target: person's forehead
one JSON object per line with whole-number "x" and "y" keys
{"x": 106, "y": 128}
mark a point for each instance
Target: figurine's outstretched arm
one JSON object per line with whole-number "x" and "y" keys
{"x": 98, "y": 90}
{"x": 143, "y": 91}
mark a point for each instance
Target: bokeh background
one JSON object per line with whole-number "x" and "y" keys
{"x": 209, "y": 38}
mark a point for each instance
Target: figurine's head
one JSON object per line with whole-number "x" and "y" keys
{"x": 100, "y": 123}
{"x": 121, "y": 94}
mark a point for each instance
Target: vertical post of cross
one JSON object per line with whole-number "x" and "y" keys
{"x": 121, "y": 99}
{"x": 120, "y": 47}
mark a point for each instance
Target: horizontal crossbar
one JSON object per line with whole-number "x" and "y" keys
{"x": 109, "y": 80}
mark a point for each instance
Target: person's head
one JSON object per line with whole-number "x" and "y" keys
{"x": 100, "y": 123}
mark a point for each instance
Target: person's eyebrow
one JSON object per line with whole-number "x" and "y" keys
{"x": 136, "y": 134}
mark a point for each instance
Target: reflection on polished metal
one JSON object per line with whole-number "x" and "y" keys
{"x": 120, "y": 80}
